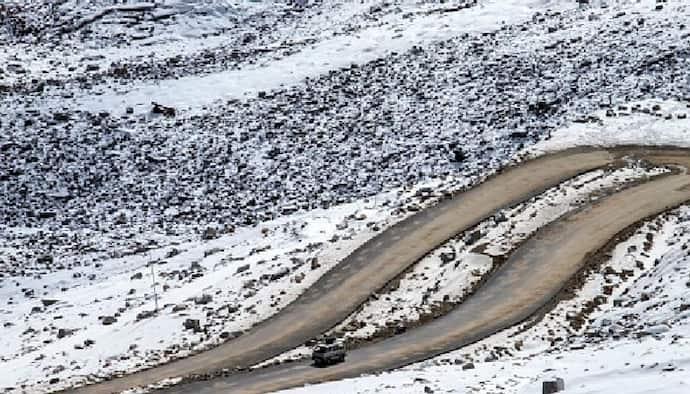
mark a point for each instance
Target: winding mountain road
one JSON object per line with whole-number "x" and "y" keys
{"x": 531, "y": 277}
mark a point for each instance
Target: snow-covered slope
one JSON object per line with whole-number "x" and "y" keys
{"x": 314, "y": 123}
{"x": 625, "y": 326}
{"x": 445, "y": 277}
{"x": 94, "y": 315}
{"x": 453, "y": 107}
{"x": 627, "y": 330}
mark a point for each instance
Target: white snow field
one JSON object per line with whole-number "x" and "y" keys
{"x": 646, "y": 122}
{"x": 393, "y": 33}
{"x": 54, "y": 325}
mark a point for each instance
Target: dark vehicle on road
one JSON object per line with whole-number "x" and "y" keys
{"x": 328, "y": 353}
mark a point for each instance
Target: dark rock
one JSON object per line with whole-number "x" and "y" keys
{"x": 210, "y": 233}
{"x": 47, "y": 214}
{"x": 203, "y": 300}
{"x": 120, "y": 219}
{"x": 459, "y": 155}
{"x": 473, "y": 237}
{"x": 136, "y": 276}
{"x": 145, "y": 315}
{"x": 280, "y": 274}
{"x": 108, "y": 320}
{"x": 45, "y": 259}
{"x": 552, "y": 386}
{"x": 48, "y": 302}
{"x": 447, "y": 256}
{"x": 192, "y": 324}
{"x": 163, "y": 110}
{"x": 61, "y": 116}
{"x": 242, "y": 268}
{"x": 518, "y": 134}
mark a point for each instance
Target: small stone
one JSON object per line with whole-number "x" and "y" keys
{"x": 145, "y": 315}
{"x": 447, "y": 256}
{"x": 459, "y": 155}
{"x": 242, "y": 268}
{"x": 61, "y": 116}
{"x": 47, "y": 302}
{"x": 63, "y": 332}
{"x": 473, "y": 237}
{"x": 553, "y": 386}
{"x": 163, "y": 110}
{"x": 210, "y": 233}
{"x": 192, "y": 324}
{"x": 203, "y": 300}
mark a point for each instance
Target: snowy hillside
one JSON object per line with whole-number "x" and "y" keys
{"x": 286, "y": 134}
{"x": 635, "y": 337}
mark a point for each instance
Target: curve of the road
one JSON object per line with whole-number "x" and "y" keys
{"x": 527, "y": 281}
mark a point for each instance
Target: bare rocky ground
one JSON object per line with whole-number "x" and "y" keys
{"x": 457, "y": 108}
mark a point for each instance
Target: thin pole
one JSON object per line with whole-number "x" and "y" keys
{"x": 153, "y": 284}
